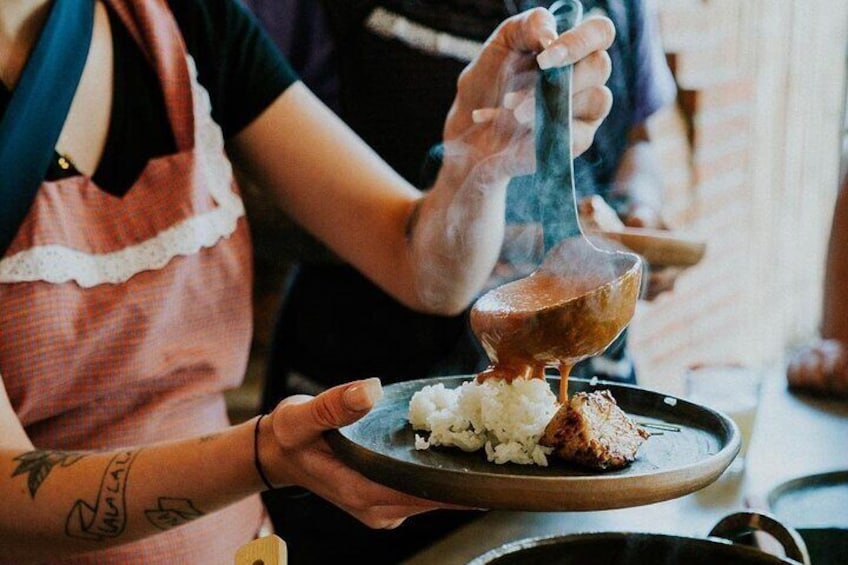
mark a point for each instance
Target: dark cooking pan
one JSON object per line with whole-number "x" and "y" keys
{"x": 817, "y": 507}
{"x": 621, "y": 548}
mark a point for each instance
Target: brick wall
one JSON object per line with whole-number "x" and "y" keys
{"x": 751, "y": 163}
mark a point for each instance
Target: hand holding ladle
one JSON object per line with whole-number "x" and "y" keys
{"x": 581, "y": 298}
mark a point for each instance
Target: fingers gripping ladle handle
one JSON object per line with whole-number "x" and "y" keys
{"x": 554, "y": 180}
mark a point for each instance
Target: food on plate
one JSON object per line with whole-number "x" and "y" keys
{"x": 593, "y": 431}
{"x": 523, "y": 422}
{"x": 659, "y": 247}
{"x": 505, "y": 419}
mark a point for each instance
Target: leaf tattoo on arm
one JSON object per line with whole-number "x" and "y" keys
{"x": 38, "y": 464}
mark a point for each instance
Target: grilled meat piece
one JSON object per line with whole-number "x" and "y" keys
{"x": 592, "y": 431}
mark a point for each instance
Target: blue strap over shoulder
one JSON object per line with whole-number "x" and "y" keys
{"x": 37, "y": 111}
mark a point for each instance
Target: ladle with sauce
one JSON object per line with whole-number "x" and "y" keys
{"x": 581, "y": 297}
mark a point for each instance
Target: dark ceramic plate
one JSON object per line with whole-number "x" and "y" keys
{"x": 690, "y": 447}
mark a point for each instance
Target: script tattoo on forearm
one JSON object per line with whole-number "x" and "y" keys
{"x": 172, "y": 512}
{"x": 107, "y": 516}
{"x": 38, "y": 464}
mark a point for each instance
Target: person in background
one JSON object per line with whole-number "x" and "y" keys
{"x": 390, "y": 69}
{"x": 125, "y": 264}
{"x": 822, "y": 367}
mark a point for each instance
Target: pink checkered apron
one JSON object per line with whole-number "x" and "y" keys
{"x": 123, "y": 320}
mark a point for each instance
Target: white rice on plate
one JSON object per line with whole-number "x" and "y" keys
{"x": 506, "y": 419}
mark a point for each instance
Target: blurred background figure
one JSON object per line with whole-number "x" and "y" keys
{"x": 390, "y": 68}
{"x": 374, "y": 83}
{"x": 822, "y": 367}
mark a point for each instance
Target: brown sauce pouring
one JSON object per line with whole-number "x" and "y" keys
{"x": 581, "y": 298}
{"x": 569, "y": 309}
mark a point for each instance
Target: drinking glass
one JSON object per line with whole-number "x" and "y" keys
{"x": 733, "y": 390}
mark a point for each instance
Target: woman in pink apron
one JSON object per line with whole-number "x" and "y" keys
{"x": 124, "y": 317}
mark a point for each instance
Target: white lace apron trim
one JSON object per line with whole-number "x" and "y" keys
{"x": 390, "y": 25}
{"x": 59, "y": 264}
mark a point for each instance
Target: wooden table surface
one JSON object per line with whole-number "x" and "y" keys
{"x": 793, "y": 436}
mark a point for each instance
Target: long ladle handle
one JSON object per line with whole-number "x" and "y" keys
{"x": 554, "y": 180}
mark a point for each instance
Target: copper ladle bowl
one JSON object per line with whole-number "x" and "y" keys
{"x": 569, "y": 309}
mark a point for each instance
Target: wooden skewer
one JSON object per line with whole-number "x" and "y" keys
{"x": 564, "y": 372}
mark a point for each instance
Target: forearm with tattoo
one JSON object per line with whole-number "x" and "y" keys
{"x": 59, "y": 503}
{"x": 37, "y": 464}
{"x": 104, "y": 516}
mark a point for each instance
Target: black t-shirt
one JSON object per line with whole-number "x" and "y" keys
{"x": 236, "y": 63}
{"x": 377, "y": 72}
